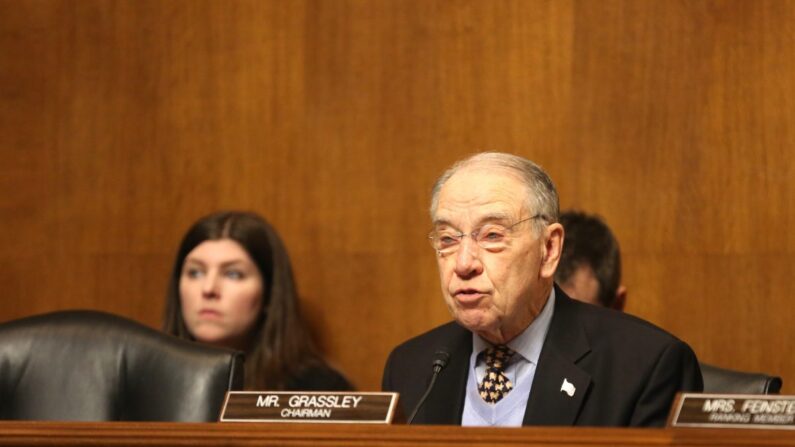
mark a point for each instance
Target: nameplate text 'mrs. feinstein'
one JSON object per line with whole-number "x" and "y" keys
{"x": 292, "y": 406}
{"x": 734, "y": 410}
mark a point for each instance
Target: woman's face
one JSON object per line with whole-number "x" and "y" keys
{"x": 221, "y": 290}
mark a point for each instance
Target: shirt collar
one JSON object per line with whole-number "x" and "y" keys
{"x": 528, "y": 344}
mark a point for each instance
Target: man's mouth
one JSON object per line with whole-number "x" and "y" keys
{"x": 468, "y": 296}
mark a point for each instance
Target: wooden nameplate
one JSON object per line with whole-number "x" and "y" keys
{"x": 309, "y": 406}
{"x": 733, "y": 411}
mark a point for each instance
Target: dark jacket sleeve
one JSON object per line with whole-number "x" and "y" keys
{"x": 386, "y": 379}
{"x": 319, "y": 378}
{"x": 676, "y": 370}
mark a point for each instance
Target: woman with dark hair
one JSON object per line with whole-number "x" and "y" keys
{"x": 232, "y": 286}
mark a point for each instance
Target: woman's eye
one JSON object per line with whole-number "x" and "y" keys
{"x": 234, "y": 274}
{"x": 193, "y": 273}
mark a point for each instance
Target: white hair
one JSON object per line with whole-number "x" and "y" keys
{"x": 542, "y": 197}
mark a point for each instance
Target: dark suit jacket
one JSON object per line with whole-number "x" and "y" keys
{"x": 626, "y": 371}
{"x": 319, "y": 378}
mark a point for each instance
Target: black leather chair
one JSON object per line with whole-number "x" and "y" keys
{"x": 94, "y": 366}
{"x": 729, "y": 381}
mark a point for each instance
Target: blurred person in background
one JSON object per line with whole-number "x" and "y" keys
{"x": 232, "y": 286}
{"x": 590, "y": 265}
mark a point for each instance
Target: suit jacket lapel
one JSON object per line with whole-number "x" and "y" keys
{"x": 559, "y": 386}
{"x": 445, "y": 404}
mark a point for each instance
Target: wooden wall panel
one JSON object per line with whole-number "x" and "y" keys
{"x": 687, "y": 151}
{"x": 123, "y": 121}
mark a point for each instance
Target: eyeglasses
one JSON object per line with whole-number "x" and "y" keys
{"x": 489, "y": 236}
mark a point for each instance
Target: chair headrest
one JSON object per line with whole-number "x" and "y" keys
{"x": 91, "y": 365}
{"x": 722, "y": 380}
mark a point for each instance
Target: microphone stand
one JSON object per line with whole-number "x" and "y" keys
{"x": 439, "y": 362}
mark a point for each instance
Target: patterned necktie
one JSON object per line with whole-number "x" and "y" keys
{"x": 495, "y": 384}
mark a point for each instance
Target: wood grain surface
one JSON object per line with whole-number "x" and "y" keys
{"x": 162, "y": 434}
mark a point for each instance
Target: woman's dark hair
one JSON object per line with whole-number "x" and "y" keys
{"x": 280, "y": 346}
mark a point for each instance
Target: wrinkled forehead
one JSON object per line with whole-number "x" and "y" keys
{"x": 477, "y": 195}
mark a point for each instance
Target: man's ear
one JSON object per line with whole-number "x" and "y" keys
{"x": 553, "y": 248}
{"x": 621, "y": 298}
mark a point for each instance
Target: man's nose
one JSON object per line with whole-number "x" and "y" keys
{"x": 210, "y": 286}
{"x": 467, "y": 259}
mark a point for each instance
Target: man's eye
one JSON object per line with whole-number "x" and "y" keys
{"x": 447, "y": 239}
{"x": 492, "y": 235}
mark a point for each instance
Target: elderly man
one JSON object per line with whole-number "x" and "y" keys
{"x": 520, "y": 351}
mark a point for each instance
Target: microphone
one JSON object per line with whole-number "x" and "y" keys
{"x": 440, "y": 360}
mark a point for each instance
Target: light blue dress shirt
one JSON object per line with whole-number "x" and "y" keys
{"x": 508, "y": 412}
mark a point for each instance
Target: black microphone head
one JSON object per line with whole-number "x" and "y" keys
{"x": 440, "y": 359}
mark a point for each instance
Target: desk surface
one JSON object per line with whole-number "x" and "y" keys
{"x": 38, "y": 433}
